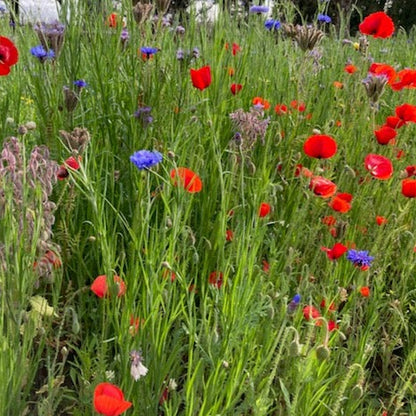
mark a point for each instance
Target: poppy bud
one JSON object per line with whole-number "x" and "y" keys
{"x": 322, "y": 352}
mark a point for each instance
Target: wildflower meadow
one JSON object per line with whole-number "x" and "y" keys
{"x": 207, "y": 216}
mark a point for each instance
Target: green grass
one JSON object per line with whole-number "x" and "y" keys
{"x": 233, "y": 350}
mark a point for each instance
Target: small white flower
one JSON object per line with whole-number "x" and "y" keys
{"x": 137, "y": 368}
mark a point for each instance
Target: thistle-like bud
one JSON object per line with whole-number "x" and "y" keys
{"x": 141, "y": 12}
{"x": 374, "y": 87}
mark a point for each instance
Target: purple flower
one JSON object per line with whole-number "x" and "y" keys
{"x": 147, "y": 51}
{"x": 294, "y": 303}
{"x": 41, "y": 53}
{"x": 259, "y": 9}
{"x": 145, "y": 159}
{"x": 360, "y": 258}
{"x": 137, "y": 368}
{"x": 143, "y": 114}
{"x": 80, "y": 83}
{"x": 272, "y": 24}
{"x": 324, "y": 18}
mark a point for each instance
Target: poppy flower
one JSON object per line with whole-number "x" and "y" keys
{"x": 8, "y": 55}
{"x": 320, "y": 146}
{"x": 322, "y": 187}
{"x": 379, "y": 166}
{"x": 383, "y": 69}
{"x": 188, "y": 179}
{"x": 406, "y": 113}
{"x": 330, "y": 308}
{"x": 71, "y": 163}
{"x": 201, "y": 78}
{"x": 235, "y": 48}
{"x": 300, "y": 106}
{"x": 280, "y": 109}
{"x": 335, "y": 252}
{"x": 310, "y": 312}
{"x": 341, "y": 202}
{"x": 385, "y": 134}
{"x": 409, "y": 188}
{"x": 410, "y": 170}
{"x": 338, "y": 85}
{"x": 259, "y": 101}
{"x": 264, "y": 209}
{"x": 229, "y": 235}
{"x": 235, "y": 88}
{"x": 380, "y": 220}
{"x": 350, "y": 69}
{"x": 407, "y": 79}
{"x": 329, "y": 220}
{"x": 109, "y": 400}
{"x": 216, "y": 279}
{"x": 378, "y": 25}
{"x": 365, "y": 291}
{"x": 332, "y": 325}
{"x": 100, "y": 286}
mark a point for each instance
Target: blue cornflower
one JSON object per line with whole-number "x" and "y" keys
{"x": 80, "y": 83}
{"x": 259, "y": 9}
{"x": 148, "y": 52}
{"x": 145, "y": 159}
{"x": 42, "y": 54}
{"x": 294, "y": 303}
{"x": 324, "y": 18}
{"x": 360, "y": 258}
{"x": 272, "y": 24}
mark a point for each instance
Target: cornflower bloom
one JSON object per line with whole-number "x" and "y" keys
{"x": 41, "y": 53}
{"x": 272, "y": 24}
{"x": 360, "y": 258}
{"x": 324, "y": 18}
{"x": 259, "y": 9}
{"x": 145, "y": 159}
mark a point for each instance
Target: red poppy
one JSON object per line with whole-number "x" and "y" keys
{"x": 322, "y": 187}
{"x": 53, "y": 259}
{"x": 329, "y": 220}
{"x": 100, "y": 287}
{"x": 380, "y": 220}
{"x": 350, "y": 69}
{"x": 338, "y": 85}
{"x": 378, "y": 25}
{"x": 409, "y": 188}
{"x": 229, "y": 235}
{"x": 379, "y": 166}
{"x": 365, "y": 291}
{"x": 335, "y": 252}
{"x": 407, "y": 79}
{"x": 320, "y": 146}
{"x": 235, "y": 88}
{"x": 201, "y": 78}
{"x": 301, "y": 170}
{"x": 300, "y": 106}
{"x": 385, "y": 134}
{"x": 332, "y": 325}
{"x": 234, "y": 49}
{"x": 72, "y": 163}
{"x": 341, "y": 202}
{"x": 331, "y": 307}
{"x": 406, "y": 113}
{"x": 310, "y": 312}
{"x": 216, "y": 279}
{"x": 109, "y": 400}
{"x": 188, "y": 179}
{"x": 112, "y": 20}
{"x": 266, "y": 266}
{"x": 8, "y": 55}
{"x": 280, "y": 109}
{"x": 261, "y": 102}
{"x": 410, "y": 170}
{"x": 383, "y": 69}
{"x": 264, "y": 209}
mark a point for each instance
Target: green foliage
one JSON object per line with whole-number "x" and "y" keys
{"x": 232, "y": 348}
